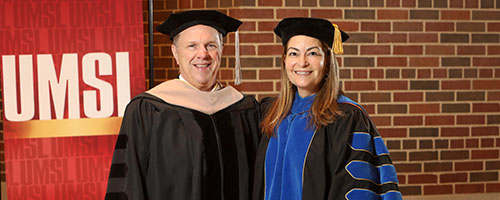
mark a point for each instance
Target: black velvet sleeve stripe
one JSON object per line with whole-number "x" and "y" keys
{"x": 118, "y": 170}
{"x": 121, "y": 142}
{"x": 116, "y": 196}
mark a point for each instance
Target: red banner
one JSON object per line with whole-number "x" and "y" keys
{"x": 69, "y": 68}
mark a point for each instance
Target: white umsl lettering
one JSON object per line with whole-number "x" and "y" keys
{"x": 106, "y": 89}
{"x": 63, "y": 89}
{"x": 27, "y": 98}
{"x": 68, "y": 79}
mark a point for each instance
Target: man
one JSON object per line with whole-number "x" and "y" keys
{"x": 188, "y": 138}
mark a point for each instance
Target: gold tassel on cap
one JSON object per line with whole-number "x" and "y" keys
{"x": 337, "y": 41}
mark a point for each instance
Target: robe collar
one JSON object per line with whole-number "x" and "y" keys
{"x": 178, "y": 92}
{"x": 301, "y": 105}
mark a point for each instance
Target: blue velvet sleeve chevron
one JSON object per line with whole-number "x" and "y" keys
{"x": 369, "y": 162}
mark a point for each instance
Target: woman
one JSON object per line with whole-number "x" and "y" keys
{"x": 319, "y": 144}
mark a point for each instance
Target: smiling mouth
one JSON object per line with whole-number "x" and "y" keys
{"x": 303, "y": 72}
{"x": 202, "y": 65}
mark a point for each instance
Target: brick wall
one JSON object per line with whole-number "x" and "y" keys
{"x": 427, "y": 71}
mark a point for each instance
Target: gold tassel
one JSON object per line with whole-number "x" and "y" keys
{"x": 337, "y": 41}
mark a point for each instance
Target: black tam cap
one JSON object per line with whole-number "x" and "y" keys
{"x": 320, "y": 29}
{"x": 177, "y": 22}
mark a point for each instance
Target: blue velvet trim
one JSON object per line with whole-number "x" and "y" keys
{"x": 362, "y": 170}
{"x": 362, "y": 142}
{"x": 380, "y": 147}
{"x": 364, "y": 194}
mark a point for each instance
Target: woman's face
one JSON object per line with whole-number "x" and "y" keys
{"x": 304, "y": 62}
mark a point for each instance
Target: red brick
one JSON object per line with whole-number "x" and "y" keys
{"x": 408, "y": 120}
{"x": 439, "y": 50}
{"x": 439, "y": 73}
{"x": 409, "y": 96}
{"x": 424, "y": 38}
{"x": 469, "y": 166}
{"x": 375, "y": 50}
{"x": 493, "y": 50}
{"x": 485, "y": 131}
{"x": 453, "y": 178}
{"x": 248, "y": 26}
{"x": 255, "y": 86}
{"x": 493, "y": 27}
{"x": 283, "y": 13}
{"x": 370, "y": 109}
{"x": 455, "y": 132}
{"x": 456, "y": 3}
{"x": 184, "y": 4}
{"x": 424, "y": 61}
{"x": 270, "y": 49}
{"x": 472, "y": 143}
{"x": 456, "y": 85}
{"x": 267, "y": 25}
{"x": 439, "y": 120}
{"x": 485, "y": 84}
{"x": 359, "y": 85}
{"x": 492, "y": 187}
{"x": 392, "y": 37}
{"x": 392, "y": 14}
{"x": 471, "y": 119}
{"x": 393, "y": 3}
{"x": 348, "y": 26}
{"x": 485, "y": 73}
{"x": 485, "y": 154}
{"x": 423, "y": 155}
{"x": 493, "y": 96}
{"x": 392, "y": 85}
{"x": 402, "y": 179}
{"x": 486, "y": 107}
{"x": 376, "y": 73}
{"x": 360, "y": 73}
{"x": 471, "y": 50}
{"x": 198, "y": 3}
{"x": 393, "y": 132}
{"x": 409, "y": 3}
{"x": 455, "y": 15}
{"x": 392, "y": 61}
{"x": 244, "y": 50}
{"x": 422, "y": 178}
{"x": 251, "y": 13}
{"x": 381, "y": 121}
{"x": 469, "y": 188}
{"x": 487, "y": 142}
{"x": 408, "y": 50}
{"x": 438, "y": 189}
{"x": 408, "y": 26}
{"x": 327, "y": 13}
{"x": 424, "y": 73}
{"x": 457, "y": 144}
{"x": 256, "y": 37}
{"x": 408, "y": 167}
{"x": 269, "y": 74}
{"x": 471, "y": 3}
{"x": 424, "y": 108}
{"x": 270, "y": 2}
{"x": 486, "y": 62}
{"x": 375, "y": 26}
{"x": 440, "y": 26}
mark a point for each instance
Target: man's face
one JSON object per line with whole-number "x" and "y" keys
{"x": 198, "y": 51}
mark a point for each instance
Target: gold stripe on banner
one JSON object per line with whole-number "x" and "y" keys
{"x": 62, "y": 128}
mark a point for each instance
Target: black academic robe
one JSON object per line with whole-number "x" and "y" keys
{"x": 166, "y": 151}
{"x": 337, "y": 160}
